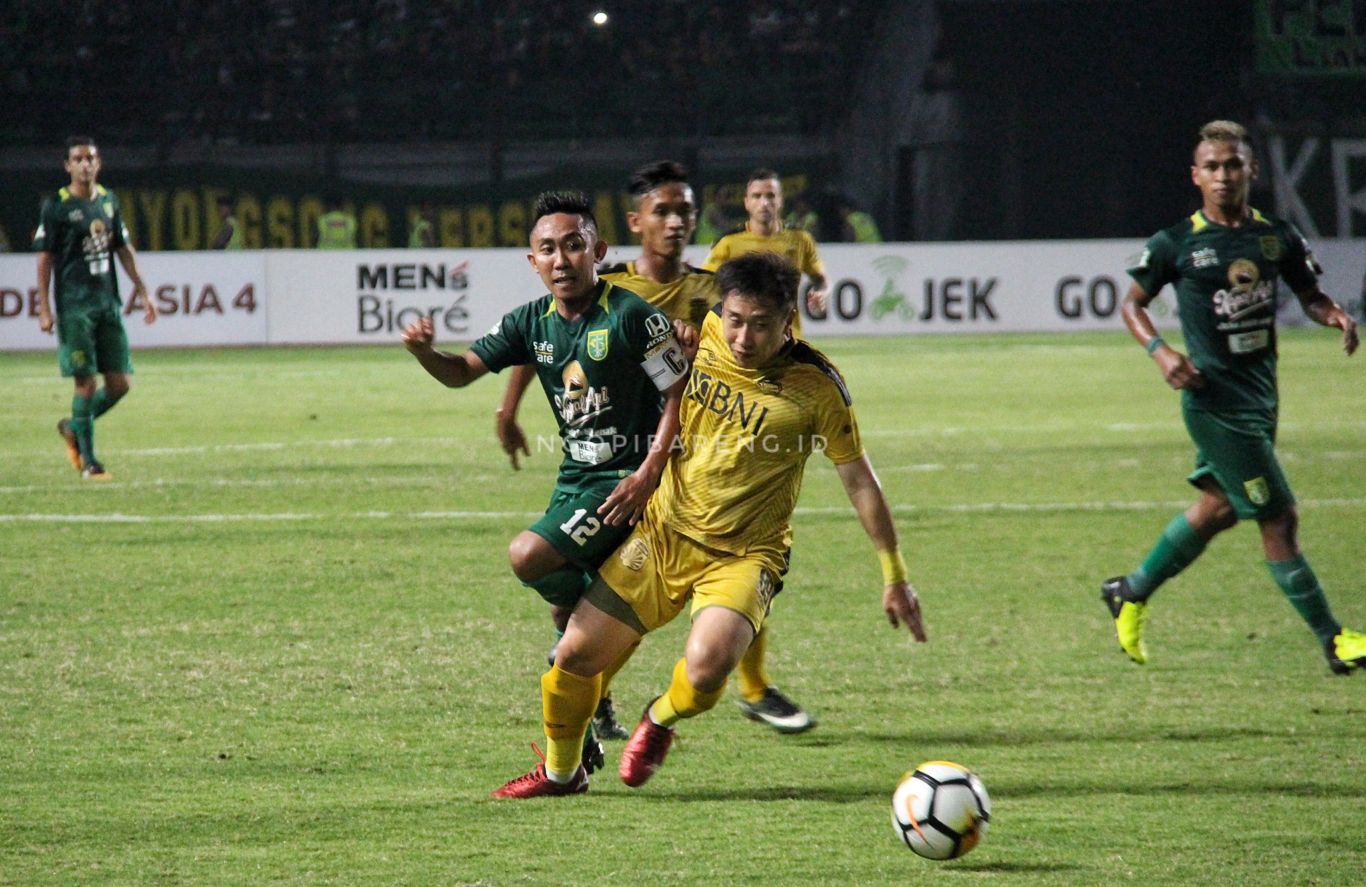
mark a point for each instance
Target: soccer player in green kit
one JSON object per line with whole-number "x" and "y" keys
{"x": 604, "y": 357}
{"x": 78, "y": 230}
{"x": 1224, "y": 262}
{"x": 664, "y": 215}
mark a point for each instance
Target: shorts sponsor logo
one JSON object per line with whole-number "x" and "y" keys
{"x": 1258, "y": 493}
{"x": 597, "y": 344}
{"x": 634, "y": 554}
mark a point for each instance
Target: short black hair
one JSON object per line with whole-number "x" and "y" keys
{"x": 652, "y": 175}
{"x": 766, "y": 276}
{"x": 574, "y": 203}
{"x": 761, "y": 174}
{"x": 76, "y": 142}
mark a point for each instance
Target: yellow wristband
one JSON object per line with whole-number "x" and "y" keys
{"x": 893, "y": 566}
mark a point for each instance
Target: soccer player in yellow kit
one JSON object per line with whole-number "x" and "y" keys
{"x": 717, "y": 531}
{"x": 664, "y": 216}
{"x": 765, "y": 232}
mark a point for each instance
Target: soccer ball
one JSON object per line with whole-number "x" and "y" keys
{"x": 941, "y": 810}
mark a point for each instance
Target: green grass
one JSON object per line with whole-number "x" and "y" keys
{"x": 299, "y": 656}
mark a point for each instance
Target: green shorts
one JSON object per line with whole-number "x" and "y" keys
{"x": 573, "y": 527}
{"x": 92, "y": 340}
{"x": 1238, "y": 451}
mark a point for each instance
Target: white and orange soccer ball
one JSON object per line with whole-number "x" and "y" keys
{"x": 941, "y": 810}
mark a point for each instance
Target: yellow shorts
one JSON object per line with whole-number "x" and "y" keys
{"x": 648, "y": 580}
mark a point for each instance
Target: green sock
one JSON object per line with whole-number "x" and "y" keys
{"x": 1301, "y": 587}
{"x": 102, "y": 403}
{"x": 1176, "y": 548}
{"x": 83, "y": 426}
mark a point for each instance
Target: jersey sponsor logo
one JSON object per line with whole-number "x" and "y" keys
{"x": 1271, "y": 248}
{"x": 597, "y": 344}
{"x": 656, "y": 325}
{"x": 545, "y": 351}
{"x": 580, "y": 402}
{"x": 729, "y": 403}
{"x": 1258, "y": 492}
{"x": 1249, "y": 294}
{"x": 1204, "y": 258}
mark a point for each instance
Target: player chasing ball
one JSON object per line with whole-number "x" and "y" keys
{"x": 1224, "y": 262}
{"x": 604, "y": 357}
{"x": 716, "y": 534}
{"x": 663, "y": 217}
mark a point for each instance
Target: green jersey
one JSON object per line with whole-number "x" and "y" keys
{"x": 82, "y": 236}
{"x": 602, "y": 375}
{"x": 1225, "y": 281}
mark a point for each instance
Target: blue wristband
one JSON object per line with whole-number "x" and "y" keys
{"x": 1155, "y": 343}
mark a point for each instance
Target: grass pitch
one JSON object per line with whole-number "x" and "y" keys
{"x": 283, "y": 645}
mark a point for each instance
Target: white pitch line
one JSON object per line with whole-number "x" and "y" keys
{"x": 280, "y": 517}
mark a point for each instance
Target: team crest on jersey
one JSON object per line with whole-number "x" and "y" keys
{"x": 1258, "y": 493}
{"x": 597, "y": 344}
{"x": 1271, "y": 248}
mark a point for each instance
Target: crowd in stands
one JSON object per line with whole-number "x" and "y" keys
{"x": 272, "y": 71}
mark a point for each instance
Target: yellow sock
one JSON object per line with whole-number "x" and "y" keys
{"x": 567, "y": 705}
{"x": 611, "y": 670}
{"x": 683, "y": 700}
{"x": 753, "y": 678}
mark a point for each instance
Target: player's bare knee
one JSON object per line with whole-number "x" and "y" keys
{"x": 525, "y": 557}
{"x": 115, "y": 387}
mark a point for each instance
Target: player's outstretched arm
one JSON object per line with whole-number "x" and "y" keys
{"x": 510, "y": 435}
{"x": 626, "y": 502}
{"x": 1324, "y": 311}
{"x": 899, "y": 600}
{"x": 451, "y": 370}
{"x": 1176, "y": 367}
{"x": 129, "y": 260}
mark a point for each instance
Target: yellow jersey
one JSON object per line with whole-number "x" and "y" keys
{"x": 793, "y": 244}
{"x": 688, "y": 298}
{"x": 746, "y": 435}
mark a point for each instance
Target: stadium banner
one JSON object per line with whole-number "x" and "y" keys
{"x": 201, "y": 299}
{"x": 368, "y": 296}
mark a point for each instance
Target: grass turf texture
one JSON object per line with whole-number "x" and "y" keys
{"x": 299, "y": 656}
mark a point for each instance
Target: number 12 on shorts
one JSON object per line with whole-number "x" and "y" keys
{"x": 580, "y": 532}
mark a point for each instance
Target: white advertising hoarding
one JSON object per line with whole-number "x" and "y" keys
{"x": 368, "y": 296}
{"x": 202, "y": 298}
